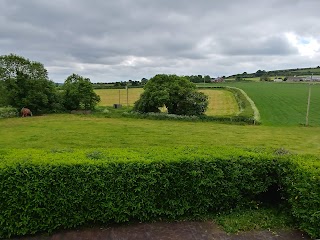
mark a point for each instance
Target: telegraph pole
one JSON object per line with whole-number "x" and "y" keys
{"x": 127, "y": 95}
{"x": 309, "y": 98}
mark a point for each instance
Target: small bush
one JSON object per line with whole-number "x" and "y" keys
{"x": 8, "y": 112}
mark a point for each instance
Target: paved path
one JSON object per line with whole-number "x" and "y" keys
{"x": 166, "y": 231}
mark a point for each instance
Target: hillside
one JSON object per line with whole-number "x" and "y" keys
{"x": 283, "y": 72}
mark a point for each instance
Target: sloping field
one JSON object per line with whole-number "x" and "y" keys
{"x": 221, "y": 102}
{"x": 283, "y": 103}
{"x": 67, "y": 131}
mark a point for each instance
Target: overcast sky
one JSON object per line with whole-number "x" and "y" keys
{"x": 118, "y": 40}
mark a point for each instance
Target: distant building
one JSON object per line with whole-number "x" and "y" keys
{"x": 314, "y": 78}
{"x": 295, "y": 79}
{"x": 218, "y": 79}
{"x": 278, "y": 80}
{"x": 304, "y": 79}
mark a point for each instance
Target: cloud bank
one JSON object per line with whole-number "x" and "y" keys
{"x": 118, "y": 40}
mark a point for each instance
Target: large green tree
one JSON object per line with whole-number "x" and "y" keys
{"x": 25, "y": 84}
{"x": 11, "y": 65}
{"x": 79, "y": 93}
{"x": 176, "y": 93}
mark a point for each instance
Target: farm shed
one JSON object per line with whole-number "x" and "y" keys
{"x": 218, "y": 79}
{"x": 296, "y": 79}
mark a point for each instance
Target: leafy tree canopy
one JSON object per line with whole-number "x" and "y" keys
{"x": 176, "y": 93}
{"x": 11, "y": 64}
{"x": 25, "y": 84}
{"x": 79, "y": 93}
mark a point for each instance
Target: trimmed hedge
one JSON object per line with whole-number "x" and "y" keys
{"x": 303, "y": 189}
{"x": 47, "y": 190}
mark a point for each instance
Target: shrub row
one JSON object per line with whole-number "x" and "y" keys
{"x": 47, "y": 190}
{"x": 102, "y": 86}
{"x": 8, "y": 112}
{"x": 245, "y": 107}
{"x": 203, "y": 118}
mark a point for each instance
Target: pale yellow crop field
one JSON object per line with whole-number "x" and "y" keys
{"x": 111, "y": 96}
{"x": 221, "y": 102}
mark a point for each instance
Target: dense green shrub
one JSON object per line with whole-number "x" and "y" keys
{"x": 47, "y": 190}
{"x": 7, "y": 112}
{"x": 78, "y": 93}
{"x": 176, "y": 93}
{"x": 303, "y": 190}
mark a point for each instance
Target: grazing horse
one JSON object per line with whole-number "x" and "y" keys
{"x": 26, "y": 112}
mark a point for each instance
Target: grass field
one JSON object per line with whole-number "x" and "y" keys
{"x": 221, "y": 102}
{"x": 72, "y": 131}
{"x": 282, "y": 107}
{"x": 282, "y": 103}
{"x": 111, "y": 96}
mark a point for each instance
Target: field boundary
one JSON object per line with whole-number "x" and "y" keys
{"x": 247, "y": 107}
{"x": 256, "y": 113}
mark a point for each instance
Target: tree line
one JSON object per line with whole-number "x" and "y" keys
{"x": 284, "y": 72}
{"x": 25, "y": 83}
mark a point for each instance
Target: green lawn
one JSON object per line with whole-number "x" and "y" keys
{"x": 72, "y": 131}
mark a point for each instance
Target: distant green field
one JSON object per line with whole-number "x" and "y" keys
{"x": 307, "y": 71}
{"x": 283, "y": 103}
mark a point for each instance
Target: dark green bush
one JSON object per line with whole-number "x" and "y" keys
{"x": 202, "y": 118}
{"x": 48, "y": 190}
{"x": 303, "y": 190}
{"x": 8, "y": 112}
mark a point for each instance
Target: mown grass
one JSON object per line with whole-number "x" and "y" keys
{"x": 221, "y": 102}
{"x": 72, "y": 131}
{"x": 283, "y": 103}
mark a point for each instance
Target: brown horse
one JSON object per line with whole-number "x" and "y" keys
{"x": 26, "y": 112}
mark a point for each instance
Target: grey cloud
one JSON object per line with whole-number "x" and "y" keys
{"x": 248, "y": 45}
{"x": 125, "y": 39}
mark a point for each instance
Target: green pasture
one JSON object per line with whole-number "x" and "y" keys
{"x": 67, "y": 131}
{"x": 282, "y": 103}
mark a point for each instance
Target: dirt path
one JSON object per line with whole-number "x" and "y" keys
{"x": 166, "y": 231}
